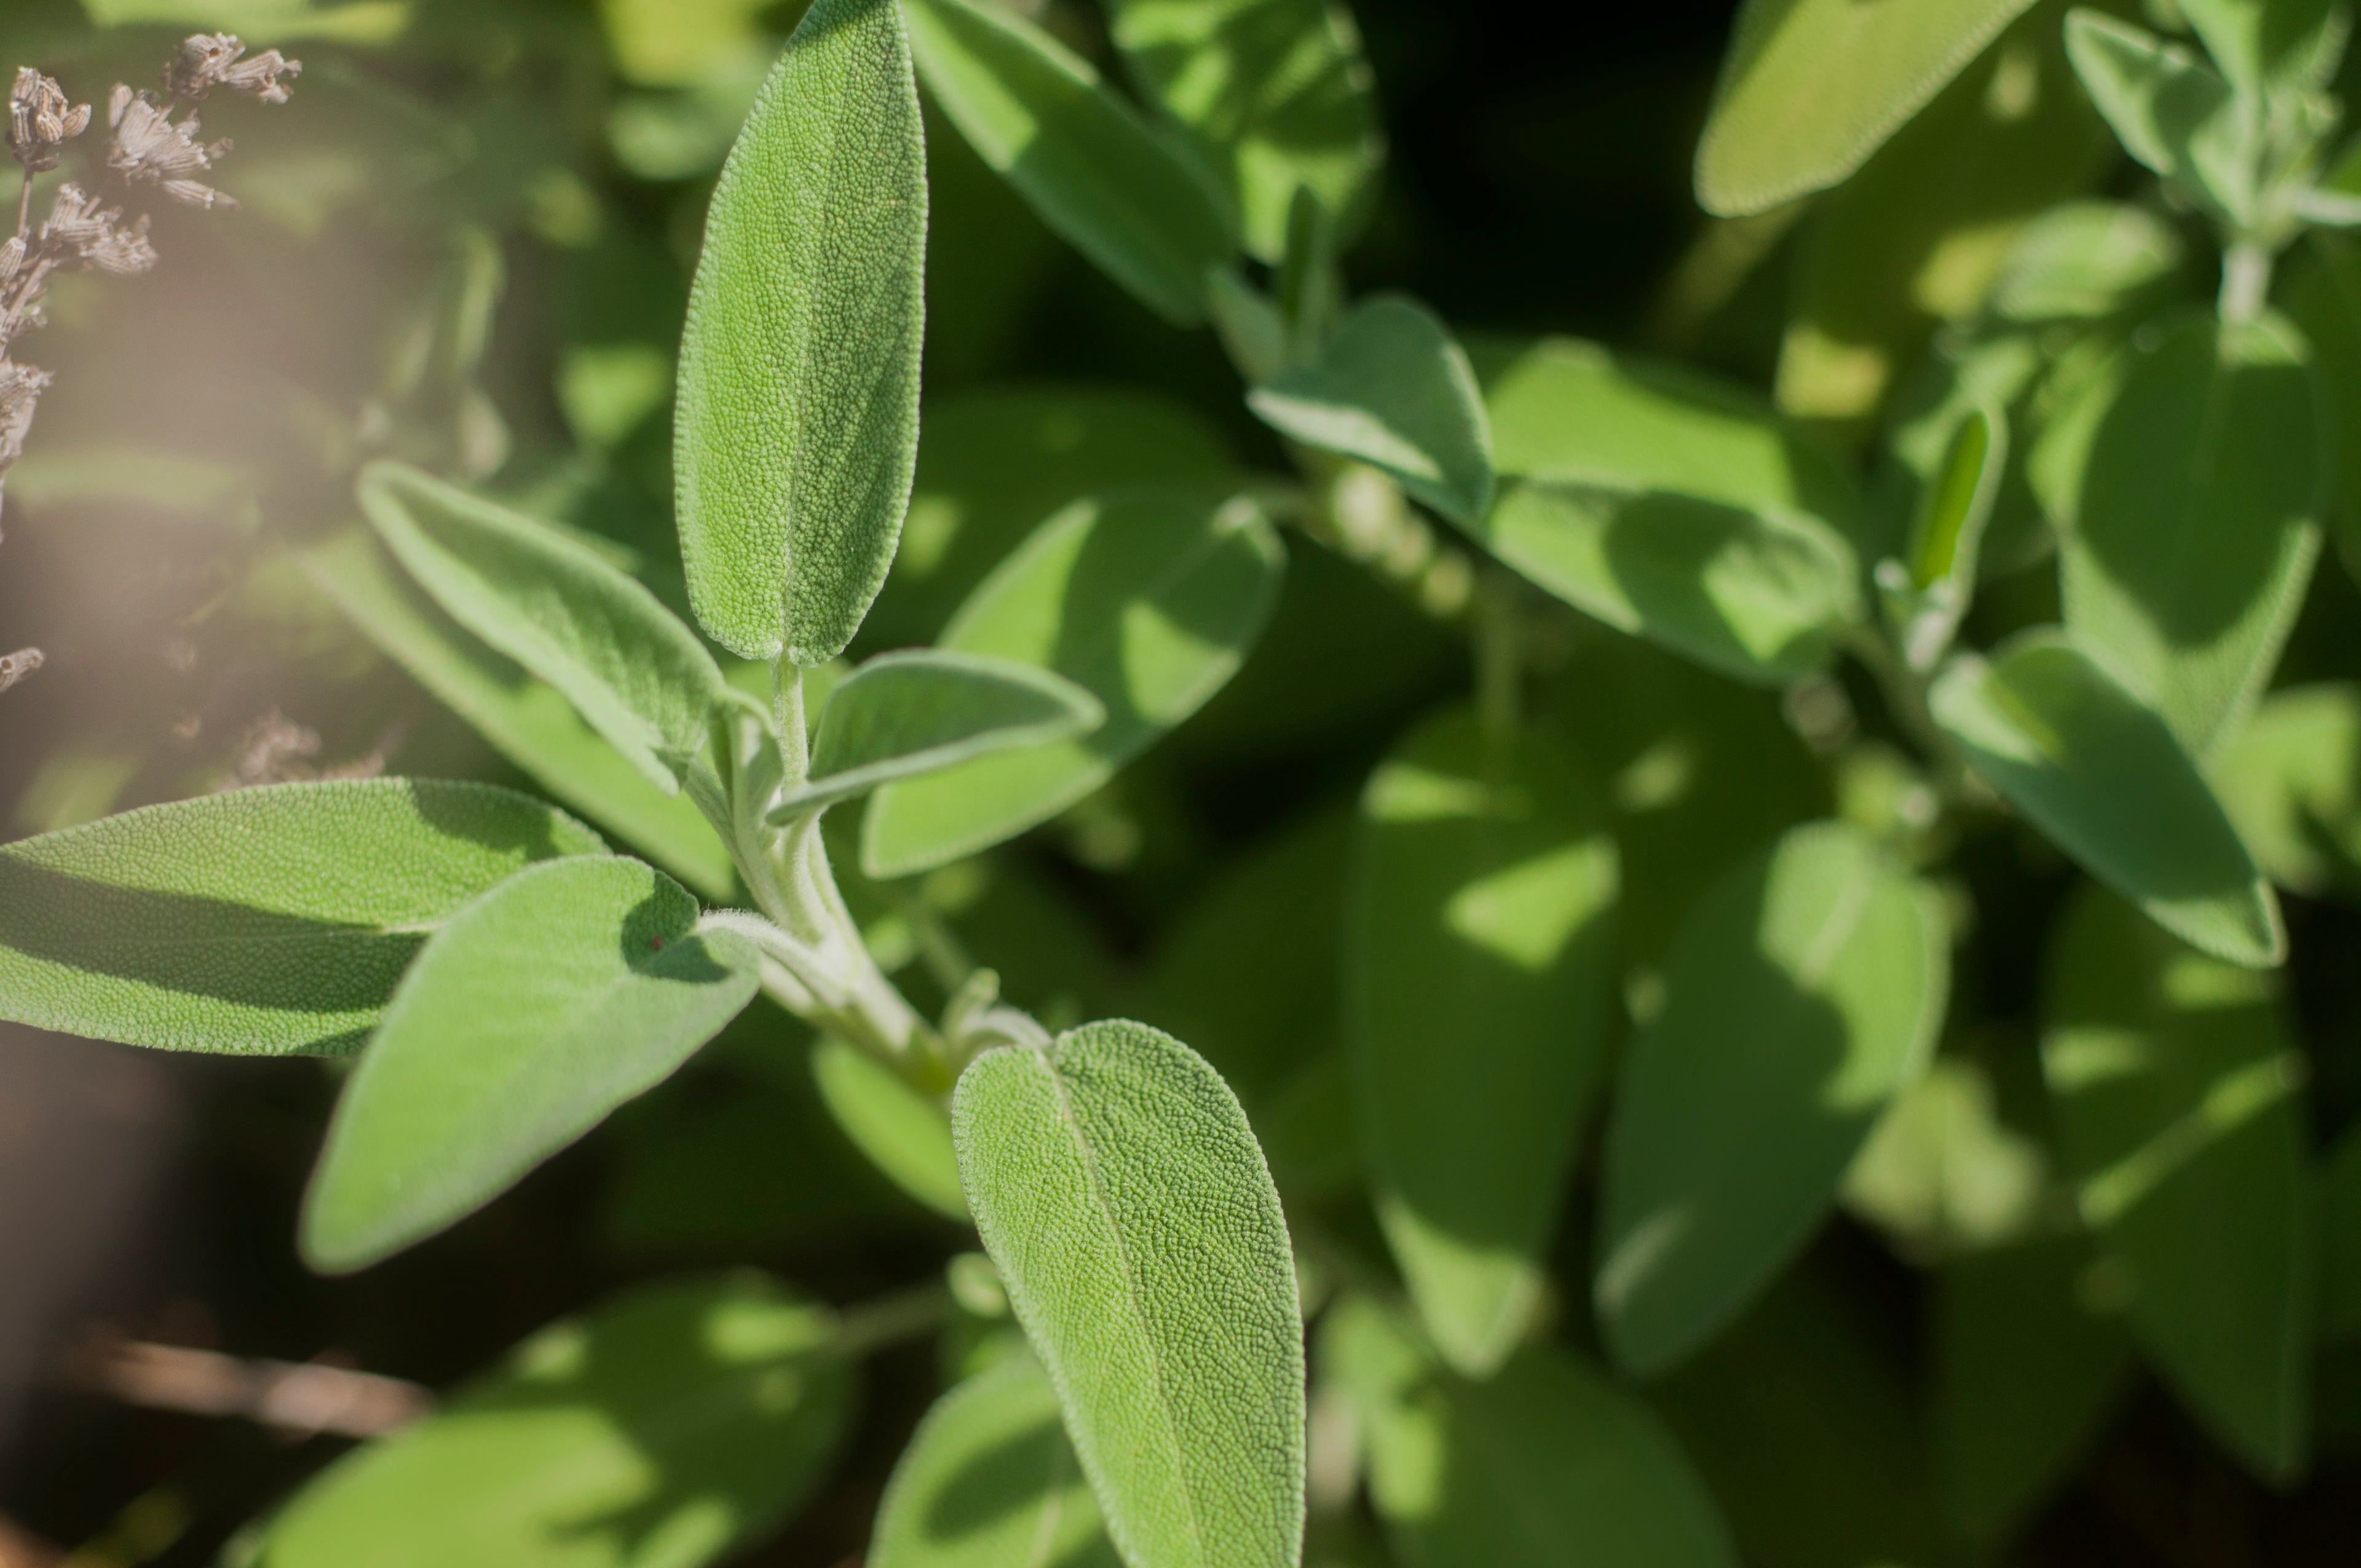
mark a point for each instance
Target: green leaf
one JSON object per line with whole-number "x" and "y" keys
{"x": 2029, "y": 1361}
{"x": 1147, "y": 214}
{"x": 1545, "y": 1464}
{"x": 2324, "y": 294}
{"x": 2291, "y": 784}
{"x": 990, "y": 1481}
{"x": 2169, "y": 109}
{"x": 664, "y": 1427}
{"x": 634, "y": 673}
{"x": 2265, "y": 44}
{"x": 1806, "y": 988}
{"x": 905, "y": 1134}
{"x": 2193, "y": 536}
{"x": 1121, "y": 1195}
{"x": 2178, "y": 1101}
{"x": 567, "y": 990}
{"x": 262, "y": 922}
{"x": 1942, "y": 1173}
{"x": 1276, "y": 96}
{"x": 527, "y": 720}
{"x": 1756, "y": 596}
{"x": 797, "y": 418}
{"x": 2084, "y": 262}
{"x": 1149, "y": 599}
{"x": 2099, "y": 772}
{"x": 2340, "y": 1235}
{"x": 1481, "y": 914}
{"x": 1928, "y": 593}
{"x": 1393, "y": 390}
{"x": 903, "y": 715}
{"x": 1810, "y": 88}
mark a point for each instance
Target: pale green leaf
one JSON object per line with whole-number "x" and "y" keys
{"x": 2262, "y": 45}
{"x": 797, "y": 416}
{"x": 1481, "y": 914}
{"x": 1393, "y": 390}
{"x": 1805, "y": 989}
{"x": 2099, "y": 772}
{"x": 1810, "y": 88}
{"x": 2178, "y": 1101}
{"x": 1120, "y": 1194}
{"x": 905, "y": 1133}
{"x": 1928, "y": 592}
{"x": 526, "y": 720}
{"x": 2193, "y": 535}
{"x": 1544, "y": 1464}
{"x": 1757, "y": 596}
{"x": 2169, "y": 109}
{"x": 634, "y": 673}
{"x": 2291, "y": 784}
{"x": 990, "y": 1481}
{"x": 1145, "y": 211}
{"x": 2030, "y": 1358}
{"x": 527, "y": 1019}
{"x": 1942, "y": 1173}
{"x": 1149, "y": 599}
{"x": 2084, "y": 260}
{"x": 903, "y": 715}
{"x": 264, "y": 921}
{"x": 658, "y": 1431}
{"x": 362, "y": 23}
{"x": 1275, "y": 95}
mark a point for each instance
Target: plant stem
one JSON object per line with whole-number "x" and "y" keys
{"x": 889, "y": 1320}
{"x": 2245, "y": 281}
{"x": 1499, "y": 658}
{"x": 795, "y": 741}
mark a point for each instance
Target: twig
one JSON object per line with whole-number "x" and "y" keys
{"x": 299, "y": 1397}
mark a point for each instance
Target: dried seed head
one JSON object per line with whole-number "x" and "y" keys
{"x": 15, "y": 667}
{"x": 39, "y": 117}
{"x": 12, "y": 259}
{"x": 81, "y": 234}
{"x": 148, "y": 148}
{"x": 208, "y": 60}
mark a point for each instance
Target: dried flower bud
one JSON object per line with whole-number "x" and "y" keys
{"x": 15, "y": 667}
{"x": 21, "y": 387}
{"x": 82, "y": 233}
{"x": 39, "y": 117}
{"x": 12, "y": 259}
{"x": 148, "y": 147}
{"x": 208, "y": 60}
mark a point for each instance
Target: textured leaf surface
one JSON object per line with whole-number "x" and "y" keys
{"x": 905, "y": 1134}
{"x": 1095, "y": 170}
{"x": 1757, "y": 596}
{"x": 634, "y": 673}
{"x": 1545, "y": 1461}
{"x": 542, "y": 1006}
{"x": 2177, "y": 1100}
{"x": 902, "y": 714}
{"x": 1811, "y": 87}
{"x": 1804, "y": 990}
{"x": 663, "y": 1428}
{"x": 260, "y": 921}
{"x": 1393, "y": 390}
{"x": 2195, "y": 536}
{"x": 1276, "y": 93}
{"x": 528, "y": 720}
{"x": 1119, "y": 1191}
{"x": 1481, "y": 912}
{"x": 797, "y": 419}
{"x": 1147, "y": 598}
{"x": 2291, "y": 784}
{"x": 990, "y": 1481}
{"x": 2101, "y": 775}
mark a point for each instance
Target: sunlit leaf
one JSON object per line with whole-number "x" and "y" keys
{"x": 1942, "y": 1172}
{"x": 905, "y": 1133}
{"x": 2169, "y": 109}
{"x": 2291, "y": 784}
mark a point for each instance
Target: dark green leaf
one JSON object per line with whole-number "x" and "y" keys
{"x": 265, "y": 921}
{"x": 2340, "y": 1233}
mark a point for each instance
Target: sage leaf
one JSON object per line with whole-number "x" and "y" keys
{"x": 1146, "y": 214}
{"x": 1928, "y": 593}
{"x": 526, "y": 720}
{"x": 1942, "y": 1173}
{"x": 990, "y": 1481}
{"x": 905, "y": 1134}
{"x": 1810, "y": 88}
{"x": 2029, "y": 1362}
{"x": 2178, "y": 1101}
{"x": 669, "y": 1425}
{"x": 903, "y": 715}
{"x": 2099, "y": 772}
{"x": 2324, "y": 295}
{"x": 263, "y": 921}
{"x": 1756, "y": 596}
{"x": 2262, "y": 45}
{"x": 796, "y": 421}
{"x": 2169, "y": 109}
{"x": 2291, "y": 784}
{"x": 2085, "y": 261}
{"x": 632, "y": 670}
{"x": 1546, "y": 1458}
{"x": 1393, "y": 390}
{"x": 1275, "y": 95}
{"x": 567, "y": 990}
{"x": 1121, "y": 1195}
{"x": 1149, "y": 599}
{"x": 1481, "y": 914}
{"x": 2194, "y": 537}
{"x": 1804, "y": 990}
